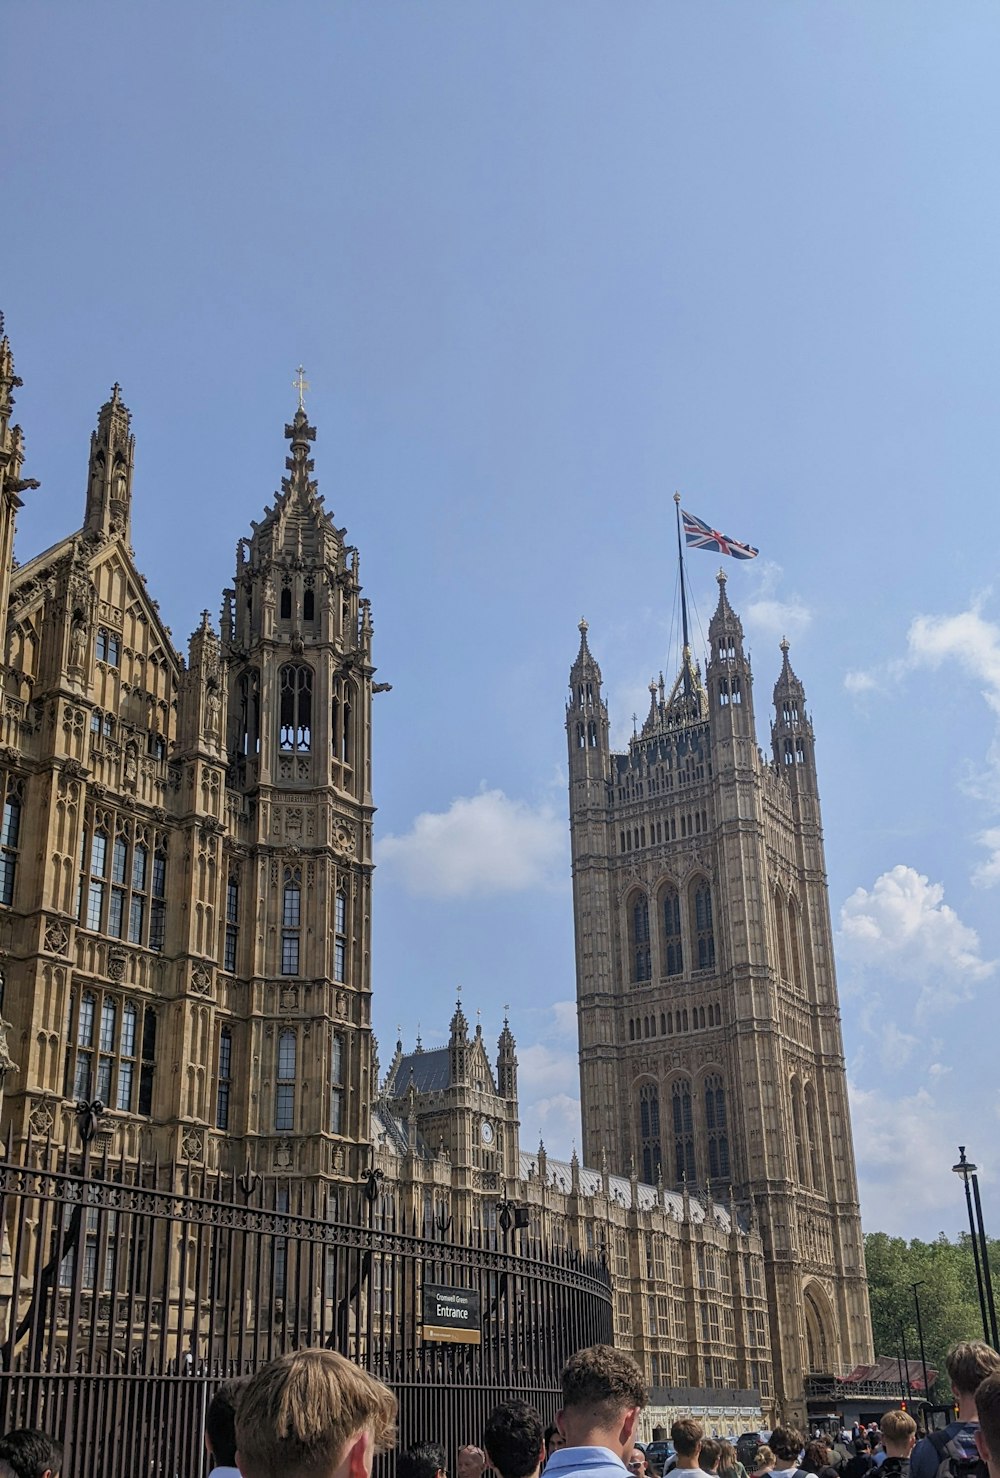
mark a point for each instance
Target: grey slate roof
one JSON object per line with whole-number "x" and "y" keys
{"x": 431, "y": 1072}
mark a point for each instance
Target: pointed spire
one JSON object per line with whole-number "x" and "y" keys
{"x": 725, "y": 622}
{"x": 109, "y": 474}
{"x": 653, "y": 716}
{"x": 300, "y": 465}
{"x": 787, "y": 682}
{"x": 459, "y": 1025}
{"x": 585, "y": 664}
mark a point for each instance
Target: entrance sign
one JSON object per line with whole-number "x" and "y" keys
{"x": 451, "y": 1315}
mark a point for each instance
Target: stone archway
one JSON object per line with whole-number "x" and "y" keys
{"x": 820, "y": 1329}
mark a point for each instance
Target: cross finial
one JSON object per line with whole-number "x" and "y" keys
{"x": 301, "y": 384}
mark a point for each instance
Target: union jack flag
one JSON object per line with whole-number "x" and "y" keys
{"x": 700, "y": 536}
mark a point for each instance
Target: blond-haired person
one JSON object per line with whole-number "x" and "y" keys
{"x": 312, "y": 1414}
{"x": 899, "y": 1433}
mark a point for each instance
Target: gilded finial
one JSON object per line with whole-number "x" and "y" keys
{"x": 301, "y": 384}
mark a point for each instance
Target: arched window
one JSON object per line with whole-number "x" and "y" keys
{"x": 649, "y": 1132}
{"x": 232, "y": 925}
{"x": 683, "y": 1121}
{"x": 295, "y": 709}
{"x": 248, "y": 739}
{"x": 96, "y": 884}
{"x": 337, "y": 1084}
{"x": 286, "y": 603}
{"x": 779, "y": 929}
{"x": 10, "y": 831}
{"x": 813, "y": 1155}
{"x": 284, "y": 1088}
{"x": 308, "y": 606}
{"x": 148, "y": 1065}
{"x": 224, "y": 1078}
{"x": 703, "y": 927}
{"x": 793, "y": 938}
{"x": 673, "y": 955}
{"x": 106, "y": 1049}
{"x": 800, "y": 1150}
{"x": 340, "y": 936}
{"x": 291, "y": 923}
{"x": 715, "y": 1126}
{"x": 127, "y": 1043}
{"x": 641, "y": 958}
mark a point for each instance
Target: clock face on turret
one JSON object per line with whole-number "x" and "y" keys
{"x": 486, "y": 1132}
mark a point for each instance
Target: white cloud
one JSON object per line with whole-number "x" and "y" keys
{"x": 860, "y": 682}
{"x": 903, "y": 927}
{"x": 987, "y": 874}
{"x": 966, "y": 640}
{"x": 549, "y": 1083}
{"x": 899, "y": 1189}
{"x": 778, "y": 618}
{"x": 483, "y": 844}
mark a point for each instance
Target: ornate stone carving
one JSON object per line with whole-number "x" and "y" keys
{"x": 193, "y": 1144}
{"x": 343, "y": 837}
{"x": 117, "y": 961}
{"x": 201, "y": 977}
{"x": 56, "y": 938}
{"x": 283, "y": 1155}
{"x": 288, "y": 998}
{"x": 40, "y": 1120}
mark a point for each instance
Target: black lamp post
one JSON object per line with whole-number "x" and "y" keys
{"x": 920, "y": 1336}
{"x": 967, "y": 1171}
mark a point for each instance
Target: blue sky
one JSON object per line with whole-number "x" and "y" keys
{"x": 545, "y": 263}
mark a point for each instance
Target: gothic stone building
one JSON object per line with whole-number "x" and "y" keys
{"x": 185, "y": 919}
{"x": 710, "y": 1043}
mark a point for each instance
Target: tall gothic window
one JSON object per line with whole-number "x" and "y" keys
{"x": 704, "y": 932}
{"x": 793, "y": 940}
{"x": 224, "y": 1078}
{"x": 715, "y": 1125}
{"x": 308, "y": 605}
{"x": 800, "y": 1148}
{"x": 340, "y": 935}
{"x": 649, "y": 1132}
{"x": 286, "y": 603}
{"x": 673, "y": 956}
{"x": 683, "y": 1124}
{"x": 104, "y": 1055}
{"x": 108, "y": 647}
{"x": 337, "y": 1084}
{"x": 232, "y": 936}
{"x": 284, "y": 1088}
{"x": 641, "y": 959}
{"x": 291, "y": 922}
{"x": 295, "y": 709}
{"x": 779, "y": 928}
{"x": 248, "y": 739}
{"x": 10, "y": 835}
{"x": 341, "y": 730}
{"x": 815, "y": 1163}
{"x": 123, "y": 884}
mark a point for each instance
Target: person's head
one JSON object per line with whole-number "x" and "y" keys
{"x": 988, "y": 1412}
{"x": 554, "y": 1439}
{"x": 31, "y": 1453}
{"x": 514, "y": 1439}
{"x": 727, "y": 1459}
{"x": 968, "y": 1364}
{"x": 711, "y": 1452}
{"x": 763, "y": 1460}
{"x": 861, "y": 1446}
{"x": 637, "y": 1464}
{"x": 786, "y": 1444}
{"x": 815, "y": 1457}
{"x": 220, "y": 1424}
{"x": 686, "y": 1435}
{"x": 603, "y": 1393}
{"x": 312, "y": 1414}
{"x": 421, "y": 1460}
{"x": 899, "y": 1432}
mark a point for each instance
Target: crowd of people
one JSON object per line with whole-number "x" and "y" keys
{"x": 314, "y": 1414}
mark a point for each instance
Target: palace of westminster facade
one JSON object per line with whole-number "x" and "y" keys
{"x": 185, "y": 924}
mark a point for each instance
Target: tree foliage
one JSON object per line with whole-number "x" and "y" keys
{"x": 949, "y": 1302}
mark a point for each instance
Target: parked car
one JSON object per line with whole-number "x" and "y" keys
{"x": 658, "y": 1454}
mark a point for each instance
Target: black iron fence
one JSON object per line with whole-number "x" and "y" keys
{"x": 127, "y": 1292}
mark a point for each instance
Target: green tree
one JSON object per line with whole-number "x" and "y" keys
{"x": 949, "y": 1302}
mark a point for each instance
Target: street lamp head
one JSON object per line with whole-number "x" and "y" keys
{"x": 965, "y": 1167}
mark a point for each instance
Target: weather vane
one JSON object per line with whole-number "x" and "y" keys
{"x": 301, "y": 384}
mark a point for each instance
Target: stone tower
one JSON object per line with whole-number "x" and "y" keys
{"x": 298, "y": 866}
{"x": 710, "y": 1043}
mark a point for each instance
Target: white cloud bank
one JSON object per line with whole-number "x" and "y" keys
{"x": 903, "y": 927}
{"x": 904, "y": 1149}
{"x": 482, "y": 845}
{"x": 549, "y": 1084}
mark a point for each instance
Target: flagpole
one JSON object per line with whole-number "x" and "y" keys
{"x": 684, "y": 609}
